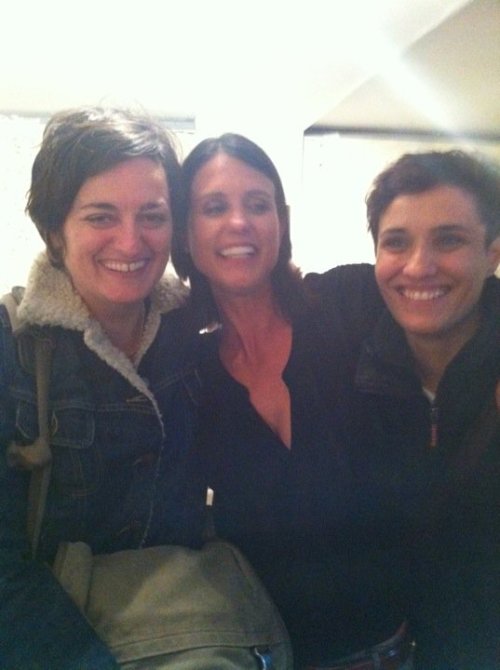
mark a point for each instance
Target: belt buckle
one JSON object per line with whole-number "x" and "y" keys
{"x": 389, "y": 658}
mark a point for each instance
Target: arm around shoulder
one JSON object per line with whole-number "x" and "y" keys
{"x": 349, "y": 293}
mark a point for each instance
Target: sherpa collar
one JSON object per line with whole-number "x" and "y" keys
{"x": 50, "y": 300}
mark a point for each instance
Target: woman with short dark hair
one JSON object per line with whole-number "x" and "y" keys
{"x": 104, "y": 196}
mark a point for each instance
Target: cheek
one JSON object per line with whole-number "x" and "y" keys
{"x": 389, "y": 264}
{"x": 383, "y": 269}
{"x": 197, "y": 239}
{"x": 273, "y": 235}
{"x": 160, "y": 240}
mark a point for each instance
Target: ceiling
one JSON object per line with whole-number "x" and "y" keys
{"x": 234, "y": 65}
{"x": 448, "y": 80}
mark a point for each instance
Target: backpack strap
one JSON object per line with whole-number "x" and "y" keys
{"x": 36, "y": 456}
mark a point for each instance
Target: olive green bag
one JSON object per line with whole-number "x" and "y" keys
{"x": 165, "y": 607}
{"x": 172, "y": 607}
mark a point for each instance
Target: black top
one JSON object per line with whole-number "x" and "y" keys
{"x": 362, "y": 523}
{"x": 293, "y": 512}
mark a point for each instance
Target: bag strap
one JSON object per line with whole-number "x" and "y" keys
{"x": 36, "y": 457}
{"x": 40, "y": 477}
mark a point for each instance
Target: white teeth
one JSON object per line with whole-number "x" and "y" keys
{"x": 423, "y": 295}
{"x": 242, "y": 250}
{"x": 124, "y": 267}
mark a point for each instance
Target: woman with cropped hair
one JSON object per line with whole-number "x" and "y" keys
{"x": 422, "y": 417}
{"x": 104, "y": 196}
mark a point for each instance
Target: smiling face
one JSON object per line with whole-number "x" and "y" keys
{"x": 432, "y": 262}
{"x": 234, "y": 230}
{"x": 116, "y": 237}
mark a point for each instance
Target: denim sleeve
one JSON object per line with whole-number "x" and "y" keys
{"x": 40, "y": 627}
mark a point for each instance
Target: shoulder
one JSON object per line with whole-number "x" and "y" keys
{"x": 175, "y": 340}
{"x": 348, "y": 293}
{"x": 9, "y": 303}
{"x": 491, "y": 294}
{"x": 491, "y": 314}
{"x": 343, "y": 278}
{"x": 8, "y": 323}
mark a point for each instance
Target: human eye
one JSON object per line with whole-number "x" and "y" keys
{"x": 100, "y": 219}
{"x": 155, "y": 218}
{"x": 259, "y": 204}
{"x": 213, "y": 207}
{"x": 450, "y": 240}
{"x": 260, "y": 207}
{"x": 394, "y": 242}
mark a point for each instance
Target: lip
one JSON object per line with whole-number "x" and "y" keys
{"x": 123, "y": 266}
{"x": 238, "y": 251}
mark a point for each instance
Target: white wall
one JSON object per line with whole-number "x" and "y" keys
{"x": 327, "y": 201}
{"x": 330, "y": 227}
{"x": 19, "y": 140}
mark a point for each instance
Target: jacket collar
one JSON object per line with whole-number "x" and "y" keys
{"x": 50, "y": 300}
{"x": 386, "y": 362}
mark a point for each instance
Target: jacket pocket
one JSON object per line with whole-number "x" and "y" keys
{"x": 76, "y": 462}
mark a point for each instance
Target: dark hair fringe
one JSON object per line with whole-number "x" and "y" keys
{"x": 419, "y": 172}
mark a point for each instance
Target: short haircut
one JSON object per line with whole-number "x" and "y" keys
{"x": 83, "y": 142}
{"x": 419, "y": 172}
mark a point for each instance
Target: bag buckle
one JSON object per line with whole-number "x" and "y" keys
{"x": 265, "y": 657}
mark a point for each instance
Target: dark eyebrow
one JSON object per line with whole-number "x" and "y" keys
{"x": 447, "y": 227}
{"x": 391, "y": 231}
{"x": 221, "y": 194}
{"x": 154, "y": 205}
{"x": 108, "y": 207}
{"x": 211, "y": 194}
{"x": 444, "y": 227}
{"x": 260, "y": 193}
{"x": 98, "y": 205}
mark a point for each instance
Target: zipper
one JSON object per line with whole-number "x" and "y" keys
{"x": 434, "y": 425}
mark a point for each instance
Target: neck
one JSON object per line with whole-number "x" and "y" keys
{"x": 249, "y": 324}
{"x": 433, "y": 354}
{"x": 124, "y": 327}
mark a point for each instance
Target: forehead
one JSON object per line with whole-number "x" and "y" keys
{"x": 439, "y": 206}
{"x": 131, "y": 174}
{"x": 226, "y": 174}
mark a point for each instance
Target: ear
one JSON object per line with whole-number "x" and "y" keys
{"x": 493, "y": 254}
{"x": 55, "y": 247}
{"x": 284, "y": 220}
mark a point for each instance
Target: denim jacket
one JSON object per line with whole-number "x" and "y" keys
{"x": 120, "y": 434}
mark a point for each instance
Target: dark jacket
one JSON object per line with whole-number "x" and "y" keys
{"x": 427, "y": 482}
{"x": 120, "y": 435}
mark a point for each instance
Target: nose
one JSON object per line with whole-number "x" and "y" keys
{"x": 129, "y": 236}
{"x": 420, "y": 262}
{"x": 237, "y": 218}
